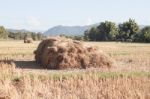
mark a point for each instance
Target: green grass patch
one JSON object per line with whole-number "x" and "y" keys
{"x": 61, "y": 75}
{"x": 80, "y": 75}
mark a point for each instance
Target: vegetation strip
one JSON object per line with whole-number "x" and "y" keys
{"x": 59, "y": 75}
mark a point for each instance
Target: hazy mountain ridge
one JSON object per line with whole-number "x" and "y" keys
{"x": 16, "y": 30}
{"x": 67, "y": 30}
{"x": 60, "y": 29}
{"x": 23, "y": 30}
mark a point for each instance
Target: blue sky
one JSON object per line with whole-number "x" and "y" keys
{"x": 43, "y": 14}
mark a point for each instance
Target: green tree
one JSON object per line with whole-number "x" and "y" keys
{"x": 107, "y": 31}
{"x": 128, "y": 30}
{"x": 40, "y": 36}
{"x": 17, "y": 36}
{"x": 145, "y": 34}
{"x": 34, "y": 36}
{"x": 92, "y": 34}
{"x": 11, "y": 35}
{"x": 3, "y": 33}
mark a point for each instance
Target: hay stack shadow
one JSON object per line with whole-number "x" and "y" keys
{"x": 27, "y": 65}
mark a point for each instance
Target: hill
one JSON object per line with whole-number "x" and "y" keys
{"x": 16, "y": 31}
{"x": 67, "y": 30}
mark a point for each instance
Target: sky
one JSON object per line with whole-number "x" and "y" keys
{"x": 44, "y": 14}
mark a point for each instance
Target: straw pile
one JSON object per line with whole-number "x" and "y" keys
{"x": 28, "y": 40}
{"x": 62, "y": 53}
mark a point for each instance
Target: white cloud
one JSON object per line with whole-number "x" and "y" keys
{"x": 17, "y": 26}
{"x": 88, "y": 21}
{"x": 33, "y": 22}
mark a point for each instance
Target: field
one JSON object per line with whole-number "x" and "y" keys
{"x": 22, "y": 78}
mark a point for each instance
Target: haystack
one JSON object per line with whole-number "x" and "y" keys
{"x": 61, "y": 53}
{"x": 28, "y": 40}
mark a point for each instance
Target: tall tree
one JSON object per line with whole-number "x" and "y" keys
{"x": 107, "y": 31}
{"x": 34, "y": 36}
{"x": 92, "y": 34}
{"x": 3, "y": 33}
{"x": 128, "y": 30}
{"x": 145, "y": 34}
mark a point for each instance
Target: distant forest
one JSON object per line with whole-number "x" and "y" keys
{"x": 128, "y": 31}
{"x": 10, "y": 35}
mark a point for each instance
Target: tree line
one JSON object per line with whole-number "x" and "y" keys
{"x": 128, "y": 31}
{"x": 4, "y": 34}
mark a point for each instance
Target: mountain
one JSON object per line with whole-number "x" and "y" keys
{"x": 24, "y": 31}
{"x": 15, "y": 30}
{"x": 67, "y": 30}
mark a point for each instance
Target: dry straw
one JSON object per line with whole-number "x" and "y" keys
{"x": 28, "y": 40}
{"x": 61, "y": 53}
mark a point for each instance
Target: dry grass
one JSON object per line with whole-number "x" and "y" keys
{"x": 130, "y": 79}
{"x": 75, "y": 85}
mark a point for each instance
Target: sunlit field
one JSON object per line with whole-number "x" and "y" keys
{"x": 22, "y": 78}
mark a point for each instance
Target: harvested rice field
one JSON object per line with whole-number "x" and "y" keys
{"x": 22, "y": 78}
